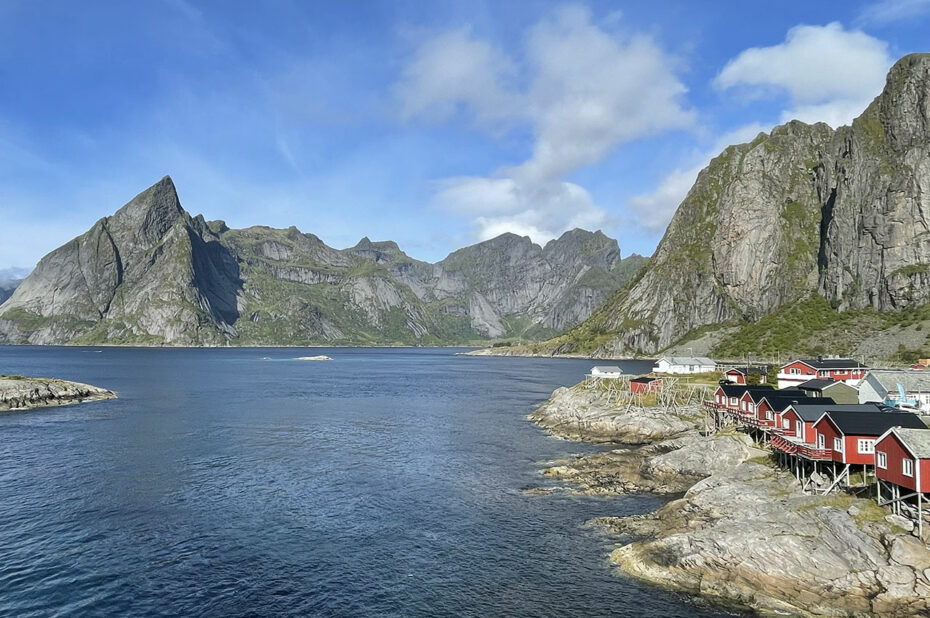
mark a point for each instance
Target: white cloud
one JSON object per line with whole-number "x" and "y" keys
{"x": 581, "y": 90}
{"x": 541, "y": 211}
{"x": 830, "y": 74}
{"x": 654, "y": 210}
{"x": 454, "y": 72}
{"x": 886, "y": 12}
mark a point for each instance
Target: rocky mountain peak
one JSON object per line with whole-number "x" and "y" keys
{"x": 901, "y": 113}
{"x": 150, "y": 214}
{"x": 381, "y": 251}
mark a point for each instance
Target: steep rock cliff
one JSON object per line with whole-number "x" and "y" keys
{"x": 803, "y": 210}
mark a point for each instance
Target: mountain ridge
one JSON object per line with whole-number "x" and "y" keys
{"x": 153, "y": 274}
{"x": 803, "y": 211}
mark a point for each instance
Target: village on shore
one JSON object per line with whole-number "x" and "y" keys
{"x": 835, "y": 423}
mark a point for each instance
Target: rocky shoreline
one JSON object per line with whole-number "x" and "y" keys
{"x": 20, "y": 393}
{"x": 743, "y": 533}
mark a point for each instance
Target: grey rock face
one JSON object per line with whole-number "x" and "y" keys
{"x": 152, "y": 274}
{"x": 18, "y": 393}
{"x": 804, "y": 209}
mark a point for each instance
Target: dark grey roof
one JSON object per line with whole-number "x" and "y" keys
{"x": 834, "y": 363}
{"x": 812, "y": 411}
{"x": 779, "y": 401}
{"x": 644, "y": 380}
{"x": 817, "y": 385}
{"x": 738, "y": 390}
{"x": 873, "y": 423}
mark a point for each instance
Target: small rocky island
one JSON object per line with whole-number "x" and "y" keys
{"x": 743, "y": 533}
{"x": 21, "y": 393}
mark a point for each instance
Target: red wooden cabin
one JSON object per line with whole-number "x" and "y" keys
{"x": 645, "y": 385}
{"x": 852, "y": 435}
{"x": 902, "y": 457}
{"x": 845, "y": 370}
{"x": 740, "y": 375}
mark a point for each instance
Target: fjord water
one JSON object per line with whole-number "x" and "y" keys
{"x": 243, "y": 482}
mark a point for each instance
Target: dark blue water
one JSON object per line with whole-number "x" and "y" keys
{"x": 388, "y": 482}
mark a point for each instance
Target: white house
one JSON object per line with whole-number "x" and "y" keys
{"x": 684, "y": 364}
{"x": 881, "y": 386}
{"x": 606, "y": 371}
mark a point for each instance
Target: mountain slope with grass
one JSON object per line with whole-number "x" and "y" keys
{"x": 806, "y": 238}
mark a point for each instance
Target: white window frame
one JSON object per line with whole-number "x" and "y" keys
{"x": 838, "y": 445}
{"x": 865, "y": 446}
{"x": 768, "y": 415}
{"x": 881, "y": 460}
{"x": 907, "y": 467}
{"x": 785, "y": 424}
{"x": 794, "y": 371}
{"x": 821, "y": 441}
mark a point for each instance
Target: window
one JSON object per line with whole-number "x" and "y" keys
{"x": 732, "y": 401}
{"x": 907, "y": 467}
{"x": 794, "y": 371}
{"x": 768, "y": 415}
{"x": 838, "y": 445}
{"x": 881, "y": 460}
{"x": 865, "y": 446}
{"x": 784, "y": 423}
{"x": 824, "y": 374}
{"x": 821, "y": 441}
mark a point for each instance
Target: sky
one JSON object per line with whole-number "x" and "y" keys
{"x": 434, "y": 124}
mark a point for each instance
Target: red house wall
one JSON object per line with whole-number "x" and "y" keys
{"x": 895, "y": 453}
{"x": 804, "y": 369}
{"x": 808, "y": 432}
{"x": 736, "y": 376}
{"x": 793, "y": 421}
{"x": 852, "y": 453}
{"x": 829, "y": 432}
{"x": 747, "y": 398}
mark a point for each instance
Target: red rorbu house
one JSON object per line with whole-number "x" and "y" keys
{"x": 902, "y": 462}
{"x": 727, "y": 396}
{"x": 797, "y": 420}
{"x": 740, "y": 375}
{"x": 851, "y": 436}
{"x": 645, "y": 384}
{"x": 770, "y": 408}
{"x": 750, "y": 400}
{"x": 839, "y": 369}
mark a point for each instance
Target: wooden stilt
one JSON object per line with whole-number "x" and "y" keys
{"x": 920, "y": 516}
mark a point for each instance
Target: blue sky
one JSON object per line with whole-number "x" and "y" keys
{"x": 430, "y": 123}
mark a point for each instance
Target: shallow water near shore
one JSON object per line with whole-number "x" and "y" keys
{"x": 385, "y": 482}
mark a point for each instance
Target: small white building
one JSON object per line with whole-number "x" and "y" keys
{"x": 606, "y": 371}
{"x": 684, "y": 364}
{"x": 881, "y": 386}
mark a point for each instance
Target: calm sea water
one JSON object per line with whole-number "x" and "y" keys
{"x": 388, "y": 482}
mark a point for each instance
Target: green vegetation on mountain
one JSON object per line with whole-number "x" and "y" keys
{"x": 153, "y": 275}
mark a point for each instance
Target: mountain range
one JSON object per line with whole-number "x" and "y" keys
{"x": 152, "y": 274}
{"x": 806, "y": 239}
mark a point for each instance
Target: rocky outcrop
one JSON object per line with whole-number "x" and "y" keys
{"x": 743, "y": 533}
{"x": 153, "y": 274}
{"x": 585, "y": 414}
{"x": 747, "y": 535}
{"x": 803, "y": 210}
{"x": 19, "y": 393}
